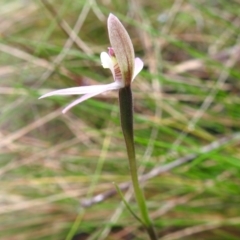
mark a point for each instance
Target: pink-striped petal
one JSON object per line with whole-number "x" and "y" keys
{"x": 123, "y": 48}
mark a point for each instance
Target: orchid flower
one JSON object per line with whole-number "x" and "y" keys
{"x": 120, "y": 59}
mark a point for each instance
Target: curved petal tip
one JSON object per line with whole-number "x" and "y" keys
{"x": 138, "y": 67}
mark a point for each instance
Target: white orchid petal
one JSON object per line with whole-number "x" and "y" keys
{"x": 84, "y": 90}
{"x": 79, "y": 100}
{"x": 106, "y": 60}
{"x": 138, "y": 67}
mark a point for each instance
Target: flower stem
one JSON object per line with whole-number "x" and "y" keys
{"x": 126, "y": 113}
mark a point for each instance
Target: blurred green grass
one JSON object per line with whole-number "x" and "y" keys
{"x": 186, "y": 97}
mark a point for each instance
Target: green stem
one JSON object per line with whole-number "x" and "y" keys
{"x": 126, "y": 113}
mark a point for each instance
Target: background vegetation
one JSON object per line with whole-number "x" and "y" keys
{"x": 187, "y": 111}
